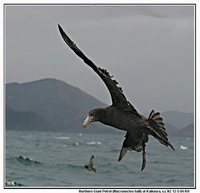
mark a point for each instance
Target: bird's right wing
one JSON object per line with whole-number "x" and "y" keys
{"x": 118, "y": 98}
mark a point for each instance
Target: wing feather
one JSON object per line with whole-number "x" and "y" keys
{"x": 117, "y": 96}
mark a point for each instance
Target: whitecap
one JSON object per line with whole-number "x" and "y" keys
{"x": 183, "y": 147}
{"x": 94, "y": 143}
{"x": 63, "y": 137}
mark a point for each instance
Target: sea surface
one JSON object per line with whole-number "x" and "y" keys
{"x": 49, "y": 159}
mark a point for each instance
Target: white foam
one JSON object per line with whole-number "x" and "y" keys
{"x": 94, "y": 143}
{"x": 63, "y": 137}
{"x": 183, "y": 147}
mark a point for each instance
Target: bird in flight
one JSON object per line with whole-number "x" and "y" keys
{"x": 121, "y": 114}
{"x": 90, "y": 165}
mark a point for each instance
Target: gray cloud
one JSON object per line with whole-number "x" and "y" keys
{"x": 148, "y": 49}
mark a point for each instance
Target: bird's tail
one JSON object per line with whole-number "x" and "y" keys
{"x": 157, "y": 129}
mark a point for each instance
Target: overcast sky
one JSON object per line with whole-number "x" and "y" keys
{"x": 148, "y": 49}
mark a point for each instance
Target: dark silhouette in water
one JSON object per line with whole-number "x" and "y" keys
{"x": 121, "y": 114}
{"x": 90, "y": 166}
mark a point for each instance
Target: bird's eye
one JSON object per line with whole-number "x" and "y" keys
{"x": 92, "y": 114}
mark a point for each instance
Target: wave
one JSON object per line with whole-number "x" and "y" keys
{"x": 87, "y": 143}
{"x": 26, "y": 160}
{"x": 114, "y": 150}
{"x": 183, "y": 147}
{"x": 13, "y": 183}
{"x": 94, "y": 143}
{"x": 70, "y": 167}
{"x": 75, "y": 166}
{"x": 63, "y": 137}
{"x": 161, "y": 162}
{"x": 170, "y": 180}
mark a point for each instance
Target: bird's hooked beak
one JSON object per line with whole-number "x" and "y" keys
{"x": 88, "y": 120}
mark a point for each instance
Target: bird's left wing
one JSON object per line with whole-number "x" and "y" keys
{"x": 118, "y": 98}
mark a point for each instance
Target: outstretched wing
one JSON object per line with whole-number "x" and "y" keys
{"x": 118, "y": 98}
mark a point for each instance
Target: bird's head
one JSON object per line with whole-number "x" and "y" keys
{"x": 93, "y": 115}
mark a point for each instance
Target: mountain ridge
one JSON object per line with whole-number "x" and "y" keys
{"x": 62, "y": 106}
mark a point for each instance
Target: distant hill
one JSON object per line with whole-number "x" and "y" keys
{"x": 25, "y": 120}
{"x": 53, "y": 105}
{"x": 57, "y": 103}
{"x": 178, "y": 119}
{"x": 187, "y": 131}
{"x": 171, "y": 129}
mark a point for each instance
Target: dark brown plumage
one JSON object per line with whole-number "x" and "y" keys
{"x": 121, "y": 114}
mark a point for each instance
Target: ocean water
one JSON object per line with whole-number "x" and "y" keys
{"x": 48, "y": 159}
